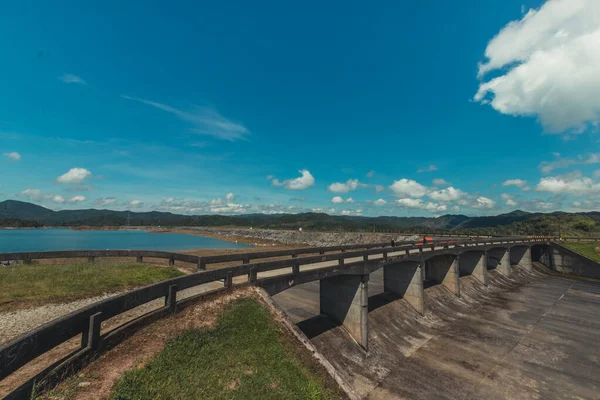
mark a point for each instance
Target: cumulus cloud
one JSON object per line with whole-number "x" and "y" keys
{"x": 339, "y": 187}
{"x": 440, "y": 182}
{"x": 70, "y": 78}
{"x": 74, "y": 176}
{"x": 408, "y": 188}
{"x": 205, "y": 121}
{"x": 448, "y": 194}
{"x": 76, "y": 199}
{"x": 305, "y": 181}
{"x": 106, "y": 201}
{"x": 135, "y": 204}
{"x": 520, "y": 183}
{"x": 379, "y": 188}
{"x": 14, "y": 156}
{"x": 509, "y": 200}
{"x": 422, "y": 205}
{"x": 57, "y": 198}
{"x": 340, "y": 200}
{"x": 32, "y": 194}
{"x": 429, "y": 168}
{"x": 483, "y": 203}
{"x": 568, "y": 185}
{"x": 380, "y": 202}
{"x": 549, "y": 65}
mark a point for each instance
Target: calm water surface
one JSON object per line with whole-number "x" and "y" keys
{"x": 19, "y": 240}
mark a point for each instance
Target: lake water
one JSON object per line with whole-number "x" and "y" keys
{"x": 21, "y": 240}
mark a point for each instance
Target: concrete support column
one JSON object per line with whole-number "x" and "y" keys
{"x": 499, "y": 258}
{"x": 345, "y": 299}
{"x": 504, "y": 265}
{"x": 521, "y": 255}
{"x": 406, "y": 279}
{"x": 444, "y": 270}
{"x": 474, "y": 263}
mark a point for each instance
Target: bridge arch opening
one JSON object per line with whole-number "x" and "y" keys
{"x": 498, "y": 258}
{"x": 443, "y": 270}
{"x": 406, "y": 280}
{"x": 521, "y": 256}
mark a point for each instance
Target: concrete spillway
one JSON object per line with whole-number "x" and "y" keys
{"x": 525, "y": 336}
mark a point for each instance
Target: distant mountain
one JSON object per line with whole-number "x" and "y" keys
{"x": 19, "y": 213}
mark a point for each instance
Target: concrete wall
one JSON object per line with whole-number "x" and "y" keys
{"x": 444, "y": 270}
{"x": 406, "y": 279}
{"x": 474, "y": 263}
{"x": 499, "y": 258}
{"x": 345, "y": 299}
{"x": 521, "y": 255}
{"x": 567, "y": 261}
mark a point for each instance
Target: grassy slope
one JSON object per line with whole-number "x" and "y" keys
{"x": 243, "y": 357}
{"x": 34, "y": 284}
{"x": 585, "y": 248}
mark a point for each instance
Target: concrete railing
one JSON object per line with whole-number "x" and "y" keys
{"x": 86, "y": 322}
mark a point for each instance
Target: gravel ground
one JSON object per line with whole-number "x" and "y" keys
{"x": 15, "y": 323}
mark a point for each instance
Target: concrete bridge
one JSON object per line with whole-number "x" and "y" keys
{"x": 344, "y": 288}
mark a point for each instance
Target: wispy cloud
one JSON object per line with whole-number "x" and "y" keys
{"x": 14, "y": 156}
{"x": 429, "y": 168}
{"x": 71, "y": 78}
{"x": 205, "y": 121}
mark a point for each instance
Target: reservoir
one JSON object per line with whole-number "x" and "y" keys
{"x": 54, "y": 239}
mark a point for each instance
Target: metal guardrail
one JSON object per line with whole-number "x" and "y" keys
{"x": 86, "y": 322}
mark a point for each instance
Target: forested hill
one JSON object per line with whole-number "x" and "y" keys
{"x": 18, "y": 213}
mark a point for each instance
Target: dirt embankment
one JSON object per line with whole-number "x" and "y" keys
{"x": 270, "y": 237}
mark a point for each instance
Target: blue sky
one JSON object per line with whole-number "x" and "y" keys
{"x": 424, "y": 108}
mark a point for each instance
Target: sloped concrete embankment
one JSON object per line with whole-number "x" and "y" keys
{"x": 463, "y": 347}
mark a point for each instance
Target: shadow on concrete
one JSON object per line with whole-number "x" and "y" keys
{"x": 317, "y": 325}
{"x": 381, "y": 299}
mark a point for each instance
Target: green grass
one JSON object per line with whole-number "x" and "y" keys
{"x": 585, "y": 248}
{"x": 26, "y": 284}
{"x": 244, "y": 356}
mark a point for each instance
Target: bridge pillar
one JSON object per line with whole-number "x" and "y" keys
{"x": 406, "y": 279}
{"x": 474, "y": 263}
{"x": 499, "y": 259}
{"x": 444, "y": 269}
{"x": 345, "y": 299}
{"x": 521, "y": 255}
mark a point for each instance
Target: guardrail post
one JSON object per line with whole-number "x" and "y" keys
{"x": 321, "y": 252}
{"x": 91, "y": 259}
{"x": 385, "y": 256}
{"x": 171, "y": 299}
{"x": 93, "y": 337}
{"x": 366, "y": 257}
{"x": 341, "y": 261}
{"x": 27, "y": 260}
{"x": 201, "y": 264}
{"x": 171, "y": 261}
{"x": 296, "y": 269}
{"x": 229, "y": 280}
{"x": 252, "y": 275}
{"x": 246, "y": 260}
{"x": 393, "y": 243}
{"x": 139, "y": 259}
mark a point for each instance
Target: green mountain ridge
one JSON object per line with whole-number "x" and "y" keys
{"x": 21, "y": 213}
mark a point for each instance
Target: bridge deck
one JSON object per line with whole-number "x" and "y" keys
{"x": 529, "y": 336}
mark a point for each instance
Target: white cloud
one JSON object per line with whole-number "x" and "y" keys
{"x": 305, "y": 181}
{"x": 408, "y": 188}
{"x": 509, "y": 199}
{"x": 448, "y": 194}
{"x": 106, "y": 201}
{"x": 14, "y": 156}
{"x": 440, "y": 182}
{"x": 340, "y": 200}
{"x": 135, "y": 204}
{"x": 70, "y": 78}
{"x": 380, "y": 202}
{"x": 483, "y": 203}
{"x": 550, "y": 66}
{"x": 379, "y": 188}
{"x": 370, "y": 174}
{"x": 558, "y": 162}
{"x": 31, "y": 194}
{"x": 520, "y": 183}
{"x": 339, "y": 187}
{"x": 76, "y": 199}
{"x": 57, "y": 198}
{"x": 206, "y": 121}
{"x": 429, "y": 168}
{"x": 422, "y": 205}
{"x": 74, "y": 176}
{"x": 566, "y": 185}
